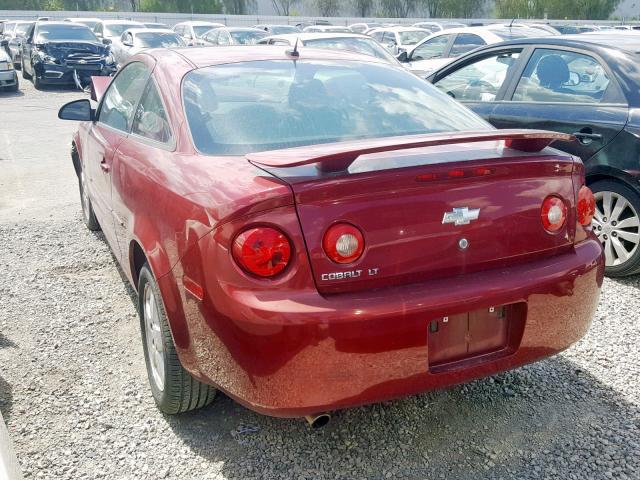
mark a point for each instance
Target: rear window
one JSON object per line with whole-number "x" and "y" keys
{"x": 519, "y": 32}
{"x": 282, "y": 29}
{"x": 116, "y": 29}
{"x": 49, "y": 32}
{"x": 367, "y": 46}
{"x": 158, "y": 40}
{"x": 22, "y": 29}
{"x": 247, "y": 107}
{"x": 247, "y": 37}
{"x": 411, "y": 38}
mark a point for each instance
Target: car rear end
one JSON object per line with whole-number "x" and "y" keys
{"x": 8, "y": 76}
{"x": 401, "y": 264}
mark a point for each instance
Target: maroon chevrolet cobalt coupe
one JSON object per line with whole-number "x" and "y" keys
{"x": 314, "y": 230}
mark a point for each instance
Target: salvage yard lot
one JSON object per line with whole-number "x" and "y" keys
{"x": 74, "y": 392}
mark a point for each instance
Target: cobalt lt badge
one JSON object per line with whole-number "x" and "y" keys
{"x": 461, "y": 216}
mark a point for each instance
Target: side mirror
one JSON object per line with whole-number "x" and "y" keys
{"x": 106, "y": 41}
{"x": 403, "y": 57}
{"x": 4, "y": 43}
{"x": 127, "y": 44}
{"x": 78, "y": 110}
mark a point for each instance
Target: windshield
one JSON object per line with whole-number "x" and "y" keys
{"x": 158, "y": 40}
{"x": 367, "y": 46}
{"x": 89, "y": 23}
{"x": 48, "y": 32}
{"x": 247, "y": 37}
{"x": 200, "y": 30}
{"x": 412, "y": 37}
{"x": 246, "y": 107}
{"x": 22, "y": 28}
{"x": 283, "y": 29}
{"x": 116, "y": 29}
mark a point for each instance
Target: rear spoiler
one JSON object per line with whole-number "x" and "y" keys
{"x": 335, "y": 157}
{"x": 99, "y": 85}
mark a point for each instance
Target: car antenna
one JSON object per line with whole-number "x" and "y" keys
{"x": 294, "y": 53}
{"x": 511, "y": 24}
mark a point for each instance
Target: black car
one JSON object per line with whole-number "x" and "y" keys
{"x": 63, "y": 53}
{"x": 587, "y": 85}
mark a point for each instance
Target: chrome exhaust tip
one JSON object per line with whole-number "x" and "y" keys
{"x": 318, "y": 421}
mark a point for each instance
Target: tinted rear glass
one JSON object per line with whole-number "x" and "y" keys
{"x": 246, "y": 107}
{"x": 48, "y": 32}
{"x": 282, "y": 29}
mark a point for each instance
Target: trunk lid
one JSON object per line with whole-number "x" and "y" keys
{"x": 418, "y": 208}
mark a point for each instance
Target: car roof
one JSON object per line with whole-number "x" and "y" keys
{"x": 63, "y": 24}
{"x": 81, "y": 19}
{"x": 317, "y": 35}
{"x": 400, "y": 29}
{"x": 629, "y": 42}
{"x": 197, "y": 23}
{"x": 207, "y": 56}
{"x": 120, "y": 22}
{"x": 135, "y": 31}
{"x": 241, "y": 29}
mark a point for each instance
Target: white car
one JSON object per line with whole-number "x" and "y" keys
{"x": 399, "y": 39}
{"x": 441, "y": 48}
{"x": 435, "y": 27}
{"x": 192, "y": 32}
{"x": 326, "y": 29}
{"x": 135, "y": 40}
{"x": 88, "y": 21}
{"x": 363, "y": 27}
{"x": 336, "y": 41}
{"x": 111, "y": 30}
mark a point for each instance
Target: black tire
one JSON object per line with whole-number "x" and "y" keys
{"x": 37, "y": 81}
{"x": 615, "y": 238}
{"x": 88, "y": 215}
{"x": 180, "y": 392}
{"x": 25, "y": 75}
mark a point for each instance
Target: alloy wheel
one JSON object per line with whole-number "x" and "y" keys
{"x": 154, "y": 338}
{"x": 617, "y": 225}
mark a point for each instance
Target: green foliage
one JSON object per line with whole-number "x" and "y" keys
{"x": 363, "y": 8}
{"x": 575, "y": 9}
{"x": 328, "y": 8}
{"x": 398, "y": 8}
{"x": 52, "y": 5}
{"x": 283, "y": 7}
{"x": 238, "y": 7}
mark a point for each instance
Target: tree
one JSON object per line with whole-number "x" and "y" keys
{"x": 237, "y": 7}
{"x": 462, "y": 8}
{"x": 398, "y": 8}
{"x": 283, "y": 7}
{"x": 181, "y": 6}
{"x": 576, "y": 9}
{"x": 328, "y": 8}
{"x": 363, "y": 7}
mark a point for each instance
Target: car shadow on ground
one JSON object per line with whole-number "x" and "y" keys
{"x": 524, "y": 422}
{"x": 7, "y": 93}
{"x": 6, "y": 397}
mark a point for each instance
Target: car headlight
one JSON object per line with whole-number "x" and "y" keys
{"x": 10, "y": 65}
{"x": 48, "y": 58}
{"x": 109, "y": 60}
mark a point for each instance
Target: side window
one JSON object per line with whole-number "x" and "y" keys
{"x": 433, "y": 48}
{"x": 378, "y": 36}
{"x": 276, "y": 41}
{"x": 179, "y": 29}
{"x": 119, "y": 101}
{"x": 561, "y": 76}
{"x": 186, "y": 33}
{"x": 479, "y": 81}
{"x": 211, "y": 37}
{"x": 150, "y": 120}
{"x": 224, "y": 39}
{"x": 465, "y": 42}
{"x": 389, "y": 39}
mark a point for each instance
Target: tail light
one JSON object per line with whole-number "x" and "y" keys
{"x": 553, "y": 214}
{"x": 262, "y": 251}
{"x": 343, "y": 243}
{"x": 586, "y": 206}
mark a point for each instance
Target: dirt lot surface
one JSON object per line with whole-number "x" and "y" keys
{"x": 73, "y": 386}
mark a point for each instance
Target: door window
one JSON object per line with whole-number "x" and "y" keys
{"x": 465, "y": 42}
{"x": 433, "y": 48}
{"x": 224, "y": 39}
{"x": 120, "y": 100}
{"x": 211, "y": 37}
{"x": 150, "y": 120}
{"x": 378, "y": 36}
{"x": 562, "y": 76}
{"x": 479, "y": 81}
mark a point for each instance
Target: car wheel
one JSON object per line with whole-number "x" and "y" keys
{"x": 617, "y": 225}
{"x": 25, "y": 75}
{"x": 174, "y": 389}
{"x": 88, "y": 214}
{"x": 37, "y": 82}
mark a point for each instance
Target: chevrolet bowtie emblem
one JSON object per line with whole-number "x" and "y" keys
{"x": 461, "y": 216}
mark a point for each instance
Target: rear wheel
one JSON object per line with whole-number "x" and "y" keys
{"x": 617, "y": 225}
{"x": 174, "y": 389}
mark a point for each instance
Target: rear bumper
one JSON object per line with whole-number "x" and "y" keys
{"x": 8, "y": 78}
{"x": 295, "y": 353}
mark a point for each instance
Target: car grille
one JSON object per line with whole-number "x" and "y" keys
{"x": 84, "y": 61}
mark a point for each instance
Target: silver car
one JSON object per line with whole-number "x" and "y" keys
{"x": 8, "y": 76}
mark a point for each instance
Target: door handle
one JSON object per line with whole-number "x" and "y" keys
{"x": 106, "y": 168}
{"x": 587, "y": 137}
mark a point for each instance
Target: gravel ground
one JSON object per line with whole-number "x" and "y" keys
{"x": 73, "y": 387}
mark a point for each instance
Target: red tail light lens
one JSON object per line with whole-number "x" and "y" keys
{"x": 343, "y": 243}
{"x": 553, "y": 214}
{"x": 263, "y": 251}
{"x": 586, "y": 206}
